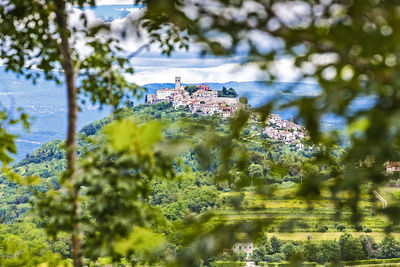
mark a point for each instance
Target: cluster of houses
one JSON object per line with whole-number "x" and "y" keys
{"x": 203, "y": 102}
{"x": 283, "y": 130}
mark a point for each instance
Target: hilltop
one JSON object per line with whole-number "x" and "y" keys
{"x": 45, "y": 103}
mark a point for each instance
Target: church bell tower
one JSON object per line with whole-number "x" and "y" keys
{"x": 177, "y": 82}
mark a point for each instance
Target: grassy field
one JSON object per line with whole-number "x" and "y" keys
{"x": 296, "y": 219}
{"x": 299, "y": 236}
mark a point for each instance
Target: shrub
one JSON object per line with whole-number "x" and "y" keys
{"x": 322, "y": 229}
{"x": 310, "y": 250}
{"x": 278, "y": 257}
{"x": 358, "y": 228}
{"x": 227, "y": 264}
{"x": 276, "y": 244}
{"x": 288, "y": 250}
{"x": 341, "y": 227}
{"x": 390, "y": 248}
{"x": 328, "y": 251}
{"x": 241, "y": 256}
{"x": 369, "y": 246}
{"x": 302, "y": 225}
{"x": 287, "y": 226}
{"x": 350, "y": 248}
{"x": 374, "y": 261}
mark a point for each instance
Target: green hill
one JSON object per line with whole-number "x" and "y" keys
{"x": 270, "y": 164}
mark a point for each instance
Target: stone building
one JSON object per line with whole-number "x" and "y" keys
{"x": 392, "y": 167}
{"x": 245, "y": 246}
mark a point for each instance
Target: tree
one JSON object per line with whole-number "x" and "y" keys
{"x": 243, "y": 100}
{"x": 289, "y": 250}
{"x": 390, "y": 248}
{"x": 227, "y": 92}
{"x": 255, "y": 171}
{"x": 276, "y": 244}
{"x": 191, "y": 89}
{"x": 264, "y": 244}
{"x": 258, "y": 255}
{"x": 350, "y": 248}
{"x": 310, "y": 251}
{"x": 369, "y": 245}
{"x": 36, "y": 34}
{"x": 328, "y": 251}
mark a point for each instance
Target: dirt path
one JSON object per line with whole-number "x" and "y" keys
{"x": 384, "y": 202}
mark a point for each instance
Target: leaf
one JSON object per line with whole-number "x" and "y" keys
{"x": 142, "y": 241}
{"x": 360, "y": 125}
{"x": 128, "y": 135}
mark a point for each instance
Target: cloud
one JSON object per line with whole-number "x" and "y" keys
{"x": 113, "y": 2}
{"x": 153, "y": 67}
{"x": 220, "y": 73}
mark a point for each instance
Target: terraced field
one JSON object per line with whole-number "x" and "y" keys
{"x": 298, "y": 219}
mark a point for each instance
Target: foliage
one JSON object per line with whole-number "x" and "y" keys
{"x": 117, "y": 170}
{"x": 47, "y": 152}
{"x": 350, "y": 248}
{"x": 23, "y": 244}
{"x": 191, "y": 89}
{"x": 289, "y": 250}
{"x": 390, "y": 248}
{"x": 227, "y": 92}
{"x": 369, "y": 246}
{"x": 7, "y": 143}
{"x": 227, "y": 264}
{"x": 275, "y": 244}
{"x": 328, "y": 251}
{"x": 375, "y": 261}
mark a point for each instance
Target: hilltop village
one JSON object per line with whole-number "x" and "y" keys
{"x": 283, "y": 130}
{"x": 204, "y": 101}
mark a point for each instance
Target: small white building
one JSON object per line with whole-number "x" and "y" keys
{"x": 393, "y": 166}
{"x": 244, "y": 246}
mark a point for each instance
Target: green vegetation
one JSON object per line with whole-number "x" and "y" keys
{"x": 114, "y": 200}
{"x": 191, "y": 88}
{"x": 227, "y": 92}
{"x": 194, "y": 191}
{"x": 348, "y": 249}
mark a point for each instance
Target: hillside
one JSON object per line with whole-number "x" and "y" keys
{"x": 47, "y": 162}
{"x": 276, "y": 164}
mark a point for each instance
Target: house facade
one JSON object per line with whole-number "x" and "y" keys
{"x": 246, "y": 247}
{"x": 392, "y": 167}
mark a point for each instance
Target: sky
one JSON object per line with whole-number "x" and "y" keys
{"x": 113, "y": 2}
{"x": 152, "y": 67}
